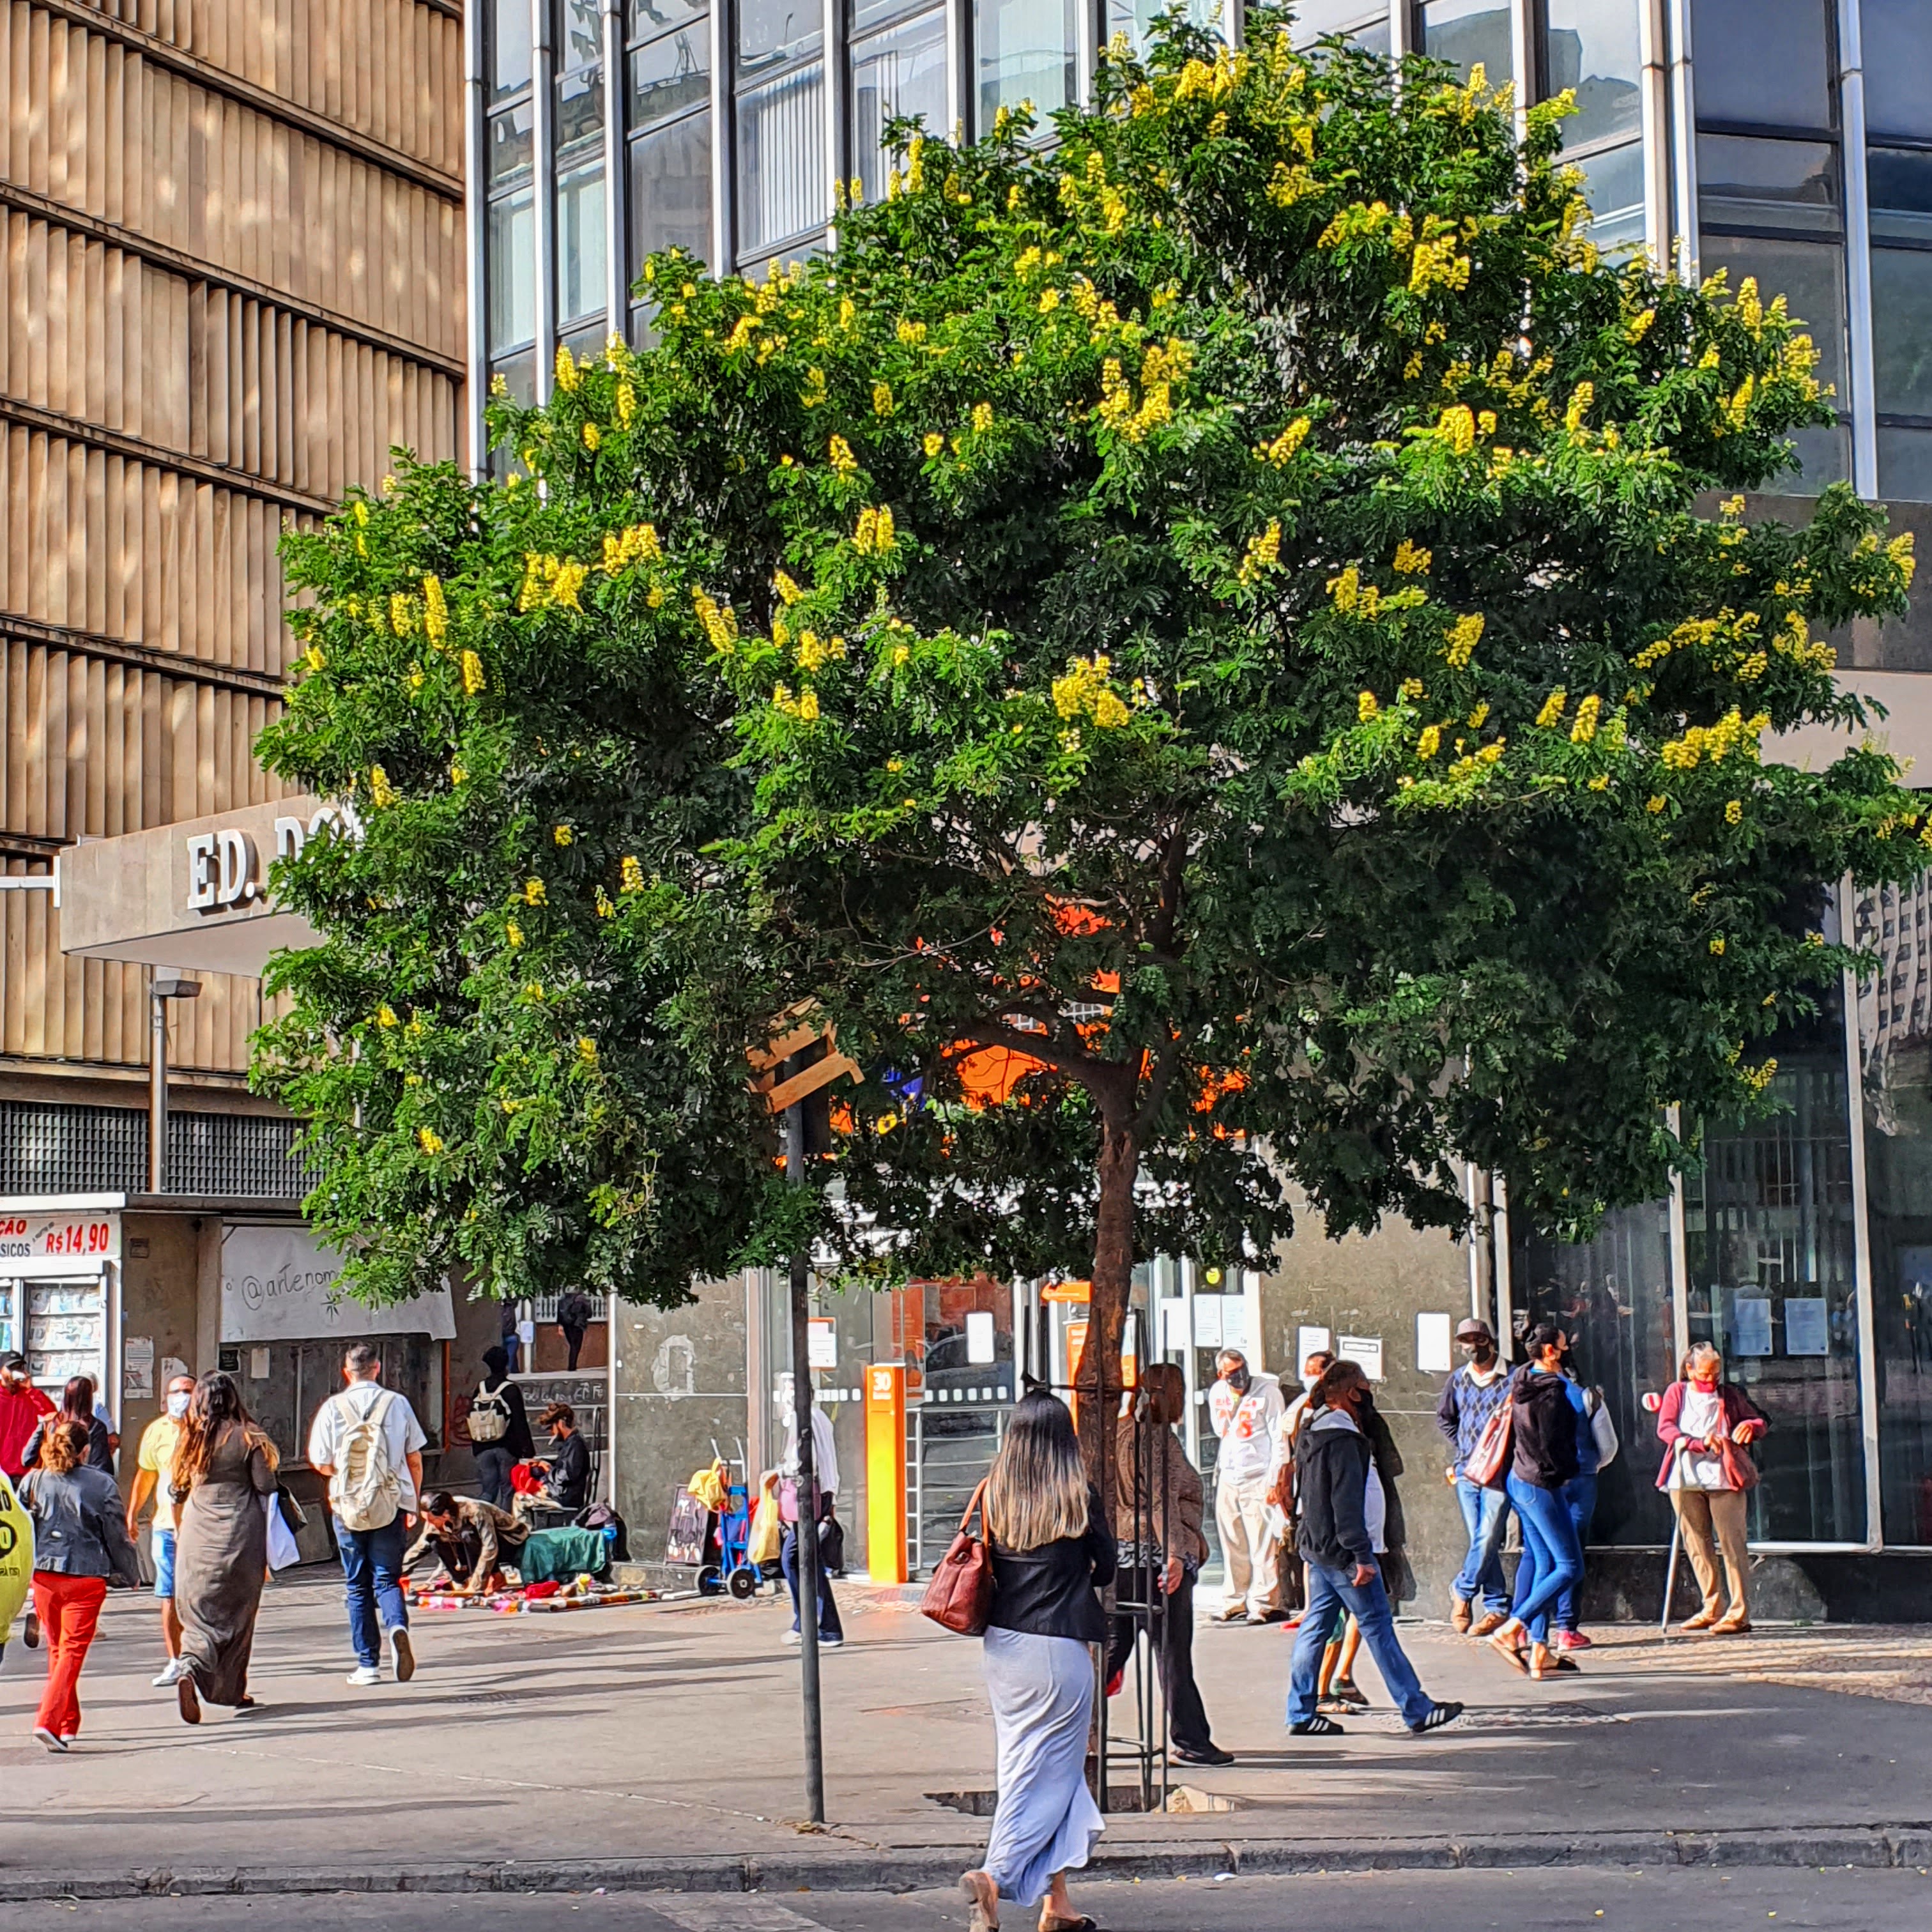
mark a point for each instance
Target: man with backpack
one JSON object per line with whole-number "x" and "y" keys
{"x": 368, "y": 1445}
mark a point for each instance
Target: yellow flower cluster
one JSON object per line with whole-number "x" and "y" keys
{"x": 1085, "y": 692}
{"x": 1899, "y": 551}
{"x": 721, "y": 624}
{"x": 534, "y": 893}
{"x": 586, "y": 1050}
{"x": 561, "y": 834}
{"x": 882, "y": 399}
{"x": 843, "y": 461}
{"x": 1638, "y": 327}
{"x": 813, "y": 393}
{"x": 1582, "y": 398}
{"x": 513, "y": 932}
{"x": 815, "y": 652}
{"x": 934, "y": 442}
{"x": 473, "y": 674}
{"x": 805, "y": 705}
{"x": 381, "y": 792}
{"x": 1288, "y": 185}
{"x": 1465, "y": 634}
{"x": 593, "y": 438}
{"x": 874, "y": 536}
{"x": 427, "y": 1138}
{"x": 1732, "y": 732}
{"x": 435, "y": 612}
{"x": 982, "y": 418}
{"x": 630, "y": 874}
{"x": 1585, "y": 728}
{"x": 402, "y": 614}
{"x": 1457, "y": 428}
{"x": 627, "y": 403}
{"x": 1435, "y": 265}
{"x": 1411, "y": 690}
{"x": 386, "y": 1015}
{"x": 551, "y": 579}
{"x": 1430, "y": 742}
{"x": 1734, "y": 812}
{"x": 605, "y": 910}
{"x": 1552, "y": 708}
{"x": 638, "y": 544}
{"x": 1264, "y": 554}
{"x": 1732, "y": 409}
{"x": 313, "y": 657}
{"x": 1283, "y": 448}
{"x": 566, "y": 369}
{"x": 1366, "y": 706}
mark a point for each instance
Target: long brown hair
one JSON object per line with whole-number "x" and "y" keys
{"x": 77, "y": 1399}
{"x": 64, "y": 1446}
{"x": 1036, "y": 1490}
{"x": 215, "y": 1403}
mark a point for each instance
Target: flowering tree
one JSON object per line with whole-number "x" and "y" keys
{"x": 1196, "y": 648}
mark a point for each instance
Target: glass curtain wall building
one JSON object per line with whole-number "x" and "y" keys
{"x": 1789, "y": 140}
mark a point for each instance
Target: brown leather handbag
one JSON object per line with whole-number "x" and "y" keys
{"x": 960, "y": 1596}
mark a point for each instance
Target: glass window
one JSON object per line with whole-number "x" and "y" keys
{"x": 670, "y": 190}
{"x": 1765, "y": 63}
{"x": 1026, "y": 54}
{"x": 1612, "y": 1297}
{"x": 901, "y": 71}
{"x": 1897, "y": 37}
{"x": 581, "y": 291}
{"x": 1902, "y": 330}
{"x": 1469, "y": 33}
{"x": 1613, "y": 183}
{"x": 580, "y": 107}
{"x": 1769, "y": 1246}
{"x": 653, "y": 16}
{"x": 671, "y": 76}
{"x": 511, "y": 258}
{"x": 1896, "y": 1058}
{"x": 1768, "y": 184}
{"x": 1135, "y": 18}
{"x": 1901, "y": 194}
{"x": 1592, "y": 46}
{"x": 1905, "y": 465}
{"x": 1810, "y": 275}
{"x": 509, "y": 25}
{"x": 1314, "y": 18}
{"x": 771, "y": 32}
{"x": 783, "y": 186}
{"x": 519, "y": 377}
{"x": 580, "y": 35}
{"x": 511, "y": 142}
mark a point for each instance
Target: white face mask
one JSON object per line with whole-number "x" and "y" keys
{"x": 177, "y": 1403}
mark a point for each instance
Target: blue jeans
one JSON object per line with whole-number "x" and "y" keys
{"x": 1551, "y": 1555}
{"x": 1327, "y": 1590}
{"x": 1579, "y": 1499}
{"x": 372, "y": 1565}
{"x": 1485, "y": 1516}
{"x": 828, "y": 1608}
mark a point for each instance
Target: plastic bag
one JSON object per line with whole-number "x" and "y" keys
{"x": 708, "y": 1487}
{"x": 767, "y": 1532}
{"x": 283, "y": 1552}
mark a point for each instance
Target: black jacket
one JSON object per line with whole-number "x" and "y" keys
{"x": 1331, "y": 1472}
{"x": 1544, "y": 1418}
{"x": 1049, "y": 1591}
{"x": 570, "y": 1472}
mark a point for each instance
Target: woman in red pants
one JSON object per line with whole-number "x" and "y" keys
{"x": 80, "y": 1540}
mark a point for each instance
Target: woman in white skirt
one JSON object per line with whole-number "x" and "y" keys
{"x": 1051, "y": 1549}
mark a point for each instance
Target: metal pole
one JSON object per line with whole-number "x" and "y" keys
{"x": 157, "y": 1093}
{"x": 808, "y": 1487}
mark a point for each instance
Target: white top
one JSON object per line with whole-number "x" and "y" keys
{"x": 1246, "y": 1426}
{"x": 1702, "y": 1416}
{"x": 401, "y": 1430}
{"x": 1375, "y": 1497}
{"x": 824, "y": 1451}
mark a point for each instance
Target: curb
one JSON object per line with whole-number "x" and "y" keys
{"x": 1872, "y": 1848}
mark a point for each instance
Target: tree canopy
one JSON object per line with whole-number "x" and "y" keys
{"x": 1207, "y": 647}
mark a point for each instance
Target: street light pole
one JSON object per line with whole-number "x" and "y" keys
{"x": 161, "y": 988}
{"x": 807, "y": 1556}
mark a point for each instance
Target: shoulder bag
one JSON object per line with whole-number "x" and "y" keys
{"x": 1489, "y": 1460}
{"x": 960, "y": 1596}
{"x": 1603, "y": 1430}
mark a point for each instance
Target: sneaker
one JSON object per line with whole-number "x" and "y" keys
{"x": 831, "y": 1643}
{"x": 363, "y": 1675}
{"x": 32, "y": 1632}
{"x": 1573, "y": 1640}
{"x": 1462, "y": 1614}
{"x": 401, "y": 1655}
{"x": 1207, "y": 1754}
{"x": 45, "y": 1737}
{"x": 172, "y": 1674}
{"x": 1317, "y": 1727}
{"x": 187, "y": 1699}
{"x": 791, "y": 1639}
{"x": 1440, "y": 1715}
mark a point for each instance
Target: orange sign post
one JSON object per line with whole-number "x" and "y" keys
{"x": 885, "y": 1472}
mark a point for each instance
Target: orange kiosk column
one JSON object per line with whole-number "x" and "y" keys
{"x": 885, "y": 1472}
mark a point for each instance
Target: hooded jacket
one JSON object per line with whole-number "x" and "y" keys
{"x": 1331, "y": 1467}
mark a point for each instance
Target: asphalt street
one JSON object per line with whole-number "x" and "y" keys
{"x": 1451, "y": 1901}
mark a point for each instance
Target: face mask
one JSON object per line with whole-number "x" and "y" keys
{"x": 1237, "y": 1381}
{"x": 1309, "y": 1381}
{"x": 177, "y": 1404}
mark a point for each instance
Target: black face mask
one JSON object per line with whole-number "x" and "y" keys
{"x": 1238, "y": 1380}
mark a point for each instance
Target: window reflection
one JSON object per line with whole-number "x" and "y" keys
{"x": 511, "y": 256}
{"x": 671, "y": 76}
{"x": 1591, "y": 48}
{"x": 1898, "y": 36}
{"x": 1135, "y": 18}
{"x": 1026, "y": 55}
{"x": 670, "y": 190}
{"x": 508, "y": 22}
{"x": 1773, "y": 65}
{"x": 580, "y": 289}
{"x": 1613, "y": 184}
{"x": 1314, "y": 18}
{"x": 782, "y": 185}
{"x": 1768, "y": 183}
{"x": 1469, "y": 33}
{"x": 899, "y": 72}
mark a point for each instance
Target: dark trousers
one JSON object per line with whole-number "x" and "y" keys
{"x": 458, "y": 1554}
{"x": 372, "y": 1564}
{"x": 574, "y": 1340}
{"x": 493, "y": 1465}
{"x": 1187, "y": 1715}
{"x": 829, "y": 1624}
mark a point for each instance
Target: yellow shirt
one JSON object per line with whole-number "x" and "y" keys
{"x": 157, "y": 1455}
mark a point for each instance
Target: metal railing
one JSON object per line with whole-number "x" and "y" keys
{"x": 944, "y": 1467}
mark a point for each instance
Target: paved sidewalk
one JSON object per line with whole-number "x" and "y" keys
{"x": 659, "y": 1745}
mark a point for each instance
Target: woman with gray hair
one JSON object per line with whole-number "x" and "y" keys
{"x": 1705, "y": 1424}
{"x": 1051, "y": 1547}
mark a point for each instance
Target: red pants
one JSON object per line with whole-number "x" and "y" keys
{"x": 69, "y": 1608}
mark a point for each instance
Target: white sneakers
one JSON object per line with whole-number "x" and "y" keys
{"x": 172, "y": 1674}
{"x": 792, "y": 1638}
{"x": 364, "y": 1675}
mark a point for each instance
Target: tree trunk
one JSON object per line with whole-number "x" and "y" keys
{"x": 1099, "y": 1382}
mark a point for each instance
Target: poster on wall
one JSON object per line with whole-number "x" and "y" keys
{"x": 1365, "y": 1352}
{"x": 278, "y": 1284}
{"x": 1433, "y": 1354}
{"x": 1751, "y": 1325}
{"x": 1310, "y": 1341}
{"x": 1235, "y": 1324}
{"x": 1808, "y": 1331}
{"x": 1208, "y": 1320}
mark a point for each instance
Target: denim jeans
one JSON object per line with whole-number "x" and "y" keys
{"x": 493, "y": 1465}
{"x": 1551, "y": 1555}
{"x": 372, "y": 1564}
{"x": 1485, "y": 1516}
{"x": 1579, "y": 1499}
{"x": 1368, "y": 1603}
{"x": 828, "y": 1607}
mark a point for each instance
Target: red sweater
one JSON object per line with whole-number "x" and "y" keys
{"x": 1738, "y": 1407}
{"x": 20, "y": 1413}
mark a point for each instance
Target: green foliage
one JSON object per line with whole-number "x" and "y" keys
{"x": 1215, "y": 617}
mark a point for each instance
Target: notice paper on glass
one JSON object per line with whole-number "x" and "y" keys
{"x": 1310, "y": 1341}
{"x": 821, "y": 1342}
{"x": 1365, "y": 1352}
{"x": 1206, "y": 1321}
{"x": 1431, "y": 1342}
{"x": 1751, "y": 1325}
{"x": 979, "y": 1344}
{"x": 1807, "y": 1331}
{"x": 1173, "y": 1327}
{"x": 1233, "y": 1322}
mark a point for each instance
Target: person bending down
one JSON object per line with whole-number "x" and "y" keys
{"x": 468, "y": 1538}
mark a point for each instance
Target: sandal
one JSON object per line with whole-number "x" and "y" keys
{"x": 1082, "y": 1925}
{"x": 1511, "y": 1655}
{"x": 977, "y": 1920}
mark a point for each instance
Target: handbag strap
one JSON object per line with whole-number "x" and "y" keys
{"x": 977, "y": 1503}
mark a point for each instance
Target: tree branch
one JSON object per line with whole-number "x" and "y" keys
{"x": 1158, "y": 1082}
